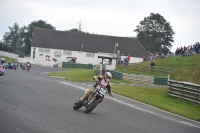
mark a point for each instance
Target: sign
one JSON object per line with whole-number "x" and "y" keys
{"x": 57, "y": 54}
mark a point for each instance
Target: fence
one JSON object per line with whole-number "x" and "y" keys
{"x": 147, "y": 69}
{"x": 184, "y": 90}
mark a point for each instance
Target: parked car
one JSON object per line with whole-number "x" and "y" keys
{"x": 55, "y": 65}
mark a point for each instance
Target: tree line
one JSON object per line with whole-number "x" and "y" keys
{"x": 18, "y": 39}
{"x": 154, "y": 33}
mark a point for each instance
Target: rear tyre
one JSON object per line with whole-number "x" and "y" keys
{"x": 91, "y": 107}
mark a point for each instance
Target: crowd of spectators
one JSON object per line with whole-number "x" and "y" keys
{"x": 122, "y": 59}
{"x": 184, "y": 51}
{"x": 187, "y": 51}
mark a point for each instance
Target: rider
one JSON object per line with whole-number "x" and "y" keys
{"x": 9, "y": 65}
{"x": 15, "y": 63}
{"x": 103, "y": 80}
{"x": 28, "y": 64}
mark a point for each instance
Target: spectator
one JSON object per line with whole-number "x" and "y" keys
{"x": 128, "y": 58}
{"x": 198, "y": 47}
{"x": 122, "y": 59}
{"x": 162, "y": 56}
{"x": 125, "y": 60}
{"x": 186, "y": 53}
{"x": 152, "y": 66}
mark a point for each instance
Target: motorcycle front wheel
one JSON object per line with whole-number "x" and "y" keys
{"x": 91, "y": 107}
{"x": 77, "y": 105}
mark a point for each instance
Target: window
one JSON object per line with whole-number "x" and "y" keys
{"x": 67, "y": 52}
{"x": 89, "y": 54}
{"x": 44, "y": 50}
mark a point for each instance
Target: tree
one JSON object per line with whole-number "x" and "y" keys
{"x": 155, "y": 33}
{"x": 12, "y": 39}
{"x": 74, "y": 30}
{"x": 28, "y": 36}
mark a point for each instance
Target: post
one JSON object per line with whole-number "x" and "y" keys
{"x": 116, "y": 45}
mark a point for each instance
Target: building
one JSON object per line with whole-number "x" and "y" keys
{"x": 48, "y": 45}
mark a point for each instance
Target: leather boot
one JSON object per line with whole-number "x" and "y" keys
{"x": 84, "y": 96}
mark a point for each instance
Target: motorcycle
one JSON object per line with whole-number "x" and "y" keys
{"x": 92, "y": 100}
{"x": 28, "y": 67}
{"x": 22, "y": 66}
{"x": 1, "y": 71}
{"x": 15, "y": 66}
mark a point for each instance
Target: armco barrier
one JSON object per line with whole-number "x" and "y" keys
{"x": 160, "y": 81}
{"x": 116, "y": 75}
{"x": 184, "y": 90}
{"x": 141, "y": 79}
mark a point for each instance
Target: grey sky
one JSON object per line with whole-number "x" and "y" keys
{"x": 106, "y": 17}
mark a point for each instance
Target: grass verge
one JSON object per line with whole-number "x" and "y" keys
{"x": 159, "y": 98}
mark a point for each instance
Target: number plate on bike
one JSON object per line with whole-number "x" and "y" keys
{"x": 102, "y": 91}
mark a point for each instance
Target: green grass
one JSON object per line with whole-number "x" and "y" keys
{"x": 177, "y": 62}
{"x": 159, "y": 98}
{"x": 80, "y": 75}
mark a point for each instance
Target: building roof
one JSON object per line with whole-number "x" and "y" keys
{"x": 94, "y": 43}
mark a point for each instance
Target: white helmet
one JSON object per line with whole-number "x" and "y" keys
{"x": 108, "y": 76}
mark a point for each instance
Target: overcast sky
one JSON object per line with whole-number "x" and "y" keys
{"x": 105, "y": 17}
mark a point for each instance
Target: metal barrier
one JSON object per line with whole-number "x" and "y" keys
{"x": 184, "y": 90}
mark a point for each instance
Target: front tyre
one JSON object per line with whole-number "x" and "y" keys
{"x": 77, "y": 105}
{"x": 91, "y": 107}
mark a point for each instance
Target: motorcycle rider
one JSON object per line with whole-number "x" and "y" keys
{"x": 16, "y": 64}
{"x": 103, "y": 80}
{"x": 28, "y": 64}
{"x": 9, "y": 65}
{"x": 1, "y": 70}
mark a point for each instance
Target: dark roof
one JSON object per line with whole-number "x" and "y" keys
{"x": 91, "y": 42}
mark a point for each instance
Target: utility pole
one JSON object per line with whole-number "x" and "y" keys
{"x": 79, "y": 25}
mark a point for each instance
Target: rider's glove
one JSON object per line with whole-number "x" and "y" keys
{"x": 97, "y": 80}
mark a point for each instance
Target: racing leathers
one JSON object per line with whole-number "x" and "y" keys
{"x": 100, "y": 80}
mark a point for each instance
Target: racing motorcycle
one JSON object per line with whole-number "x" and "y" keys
{"x": 15, "y": 66}
{"x": 28, "y": 67}
{"x": 92, "y": 100}
{"x": 22, "y": 65}
{"x": 1, "y": 72}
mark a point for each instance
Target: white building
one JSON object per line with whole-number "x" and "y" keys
{"x": 81, "y": 47}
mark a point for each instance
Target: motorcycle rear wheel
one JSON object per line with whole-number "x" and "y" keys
{"x": 91, "y": 107}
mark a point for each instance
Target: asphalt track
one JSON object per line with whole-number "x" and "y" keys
{"x": 31, "y": 102}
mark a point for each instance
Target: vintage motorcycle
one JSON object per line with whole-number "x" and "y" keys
{"x": 92, "y": 100}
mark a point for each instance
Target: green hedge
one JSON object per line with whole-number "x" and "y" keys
{"x": 75, "y": 65}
